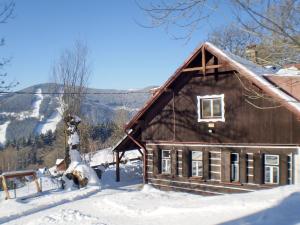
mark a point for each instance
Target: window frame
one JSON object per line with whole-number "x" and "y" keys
{"x": 212, "y": 118}
{"x": 166, "y": 159}
{"x": 197, "y": 166}
{"x": 271, "y": 168}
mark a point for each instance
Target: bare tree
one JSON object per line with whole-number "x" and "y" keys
{"x": 6, "y": 13}
{"x": 183, "y": 15}
{"x": 237, "y": 41}
{"x": 274, "y": 18}
{"x": 232, "y": 39}
{"x": 273, "y": 22}
{"x": 71, "y": 74}
{"x": 8, "y": 159}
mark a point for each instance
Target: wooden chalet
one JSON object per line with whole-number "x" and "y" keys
{"x": 220, "y": 124}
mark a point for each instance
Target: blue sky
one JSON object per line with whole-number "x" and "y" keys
{"x": 123, "y": 55}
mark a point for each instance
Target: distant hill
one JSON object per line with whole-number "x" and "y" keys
{"x": 22, "y": 115}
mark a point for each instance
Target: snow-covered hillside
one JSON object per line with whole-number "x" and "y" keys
{"x": 38, "y": 110}
{"x": 3, "y": 128}
{"x": 129, "y": 202}
{"x": 51, "y": 122}
{"x": 34, "y": 112}
{"x": 44, "y": 124}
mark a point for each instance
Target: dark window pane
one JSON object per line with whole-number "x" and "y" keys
{"x": 194, "y": 169}
{"x": 166, "y": 154}
{"x": 234, "y": 172}
{"x": 200, "y": 168}
{"x": 267, "y": 174}
{"x": 234, "y": 157}
{"x": 275, "y": 174}
{"x": 206, "y": 110}
{"x": 217, "y": 108}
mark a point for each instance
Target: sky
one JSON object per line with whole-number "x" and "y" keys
{"x": 122, "y": 54}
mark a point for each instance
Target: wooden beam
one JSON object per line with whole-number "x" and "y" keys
{"x": 168, "y": 90}
{"x": 216, "y": 62}
{"x": 219, "y": 73}
{"x": 202, "y": 68}
{"x": 141, "y": 152}
{"x": 122, "y": 155}
{"x": 203, "y": 61}
{"x": 117, "y": 167}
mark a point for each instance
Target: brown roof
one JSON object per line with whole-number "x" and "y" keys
{"x": 289, "y": 84}
{"x": 249, "y": 70}
{"x": 297, "y": 65}
{"x": 126, "y": 144}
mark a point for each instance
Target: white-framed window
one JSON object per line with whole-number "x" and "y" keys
{"x": 197, "y": 164}
{"x": 166, "y": 161}
{"x": 234, "y": 161}
{"x": 211, "y": 108}
{"x": 271, "y": 169}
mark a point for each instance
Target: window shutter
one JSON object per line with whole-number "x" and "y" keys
{"x": 225, "y": 165}
{"x": 186, "y": 163}
{"x": 159, "y": 161}
{"x": 156, "y": 161}
{"x": 259, "y": 168}
{"x": 283, "y": 169}
{"x": 174, "y": 162}
{"x": 205, "y": 160}
{"x": 243, "y": 167}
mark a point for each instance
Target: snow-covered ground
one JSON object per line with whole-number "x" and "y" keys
{"x": 129, "y": 202}
{"x": 104, "y": 156}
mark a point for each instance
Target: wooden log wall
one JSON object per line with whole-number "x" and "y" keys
{"x": 216, "y": 177}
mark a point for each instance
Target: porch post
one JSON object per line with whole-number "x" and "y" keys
{"x": 117, "y": 167}
{"x": 4, "y": 185}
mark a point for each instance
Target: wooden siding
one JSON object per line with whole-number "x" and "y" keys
{"x": 175, "y": 117}
{"x": 216, "y": 169}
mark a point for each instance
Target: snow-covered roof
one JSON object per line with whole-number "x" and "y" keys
{"x": 255, "y": 68}
{"x": 58, "y": 161}
{"x": 290, "y": 71}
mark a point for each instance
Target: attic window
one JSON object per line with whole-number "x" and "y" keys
{"x": 211, "y": 108}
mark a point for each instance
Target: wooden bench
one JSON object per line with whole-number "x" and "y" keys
{"x": 16, "y": 174}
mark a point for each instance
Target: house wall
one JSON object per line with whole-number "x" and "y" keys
{"x": 216, "y": 168}
{"x": 174, "y": 116}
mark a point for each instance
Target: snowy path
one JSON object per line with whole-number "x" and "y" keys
{"x": 20, "y": 208}
{"x": 129, "y": 205}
